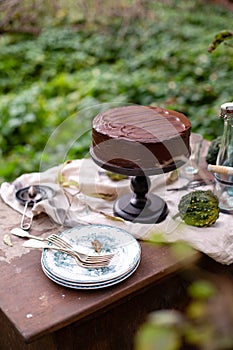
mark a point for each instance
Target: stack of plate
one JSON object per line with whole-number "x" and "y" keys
{"x": 63, "y": 269}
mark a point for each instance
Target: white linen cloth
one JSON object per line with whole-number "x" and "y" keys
{"x": 84, "y": 194}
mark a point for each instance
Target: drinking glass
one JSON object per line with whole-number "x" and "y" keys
{"x": 191, "y": 167}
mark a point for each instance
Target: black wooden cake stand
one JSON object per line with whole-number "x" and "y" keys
{"x": 140, "y": 205}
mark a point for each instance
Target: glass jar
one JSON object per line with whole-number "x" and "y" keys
{"x": 224, "y": 181}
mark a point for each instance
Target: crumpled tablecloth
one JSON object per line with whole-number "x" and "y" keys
{"x": 84, "y": 194}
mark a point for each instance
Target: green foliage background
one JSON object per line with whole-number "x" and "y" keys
{"x": 161, "y": 59}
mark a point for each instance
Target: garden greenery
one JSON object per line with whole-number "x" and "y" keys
{"x": 161, "y": 59}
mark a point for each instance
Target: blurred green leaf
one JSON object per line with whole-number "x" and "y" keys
{"x": 156, "y": 338}
{"x": 202, "y": 289}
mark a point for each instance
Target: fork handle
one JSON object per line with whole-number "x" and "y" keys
{"x": 31, "y": 244}
{"x": 24, "y": 234}
{"x": 44, "y": 245}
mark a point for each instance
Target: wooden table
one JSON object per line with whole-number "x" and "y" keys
{"x": 36, "y": 313}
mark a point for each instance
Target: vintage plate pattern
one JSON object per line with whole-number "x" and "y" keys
{"x": 63, "y": 268}
{"x": 123, "y": 276}
{"x": 89, "y": 286}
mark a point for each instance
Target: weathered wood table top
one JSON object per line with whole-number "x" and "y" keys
{"x": 36, "y": 306}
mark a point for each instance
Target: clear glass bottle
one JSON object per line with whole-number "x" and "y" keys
{"x": 224, "y": 181}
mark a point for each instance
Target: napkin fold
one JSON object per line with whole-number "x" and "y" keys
{"x": 85, "y": 194}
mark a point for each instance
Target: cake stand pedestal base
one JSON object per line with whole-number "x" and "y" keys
{"x": 140, "y": 206}
{"x": 155, "y": 210}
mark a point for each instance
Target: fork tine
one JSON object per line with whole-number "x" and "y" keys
{"x": 88, "y": 265}
{"x": 92, "y": 265}
{"x": 84, "y": 257}
{"x": 99, "y": 258}
{"x": 86, "y": 262}
{"x": 78, "y": 261}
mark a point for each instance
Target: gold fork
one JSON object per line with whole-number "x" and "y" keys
{"x": 32, "y": 243}
{"x": 62, "y": 243}
{"x": 67, "y": 247}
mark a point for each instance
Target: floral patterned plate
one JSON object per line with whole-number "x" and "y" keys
{"x": 62, "y": 267}
{"x": 86, "y": 285}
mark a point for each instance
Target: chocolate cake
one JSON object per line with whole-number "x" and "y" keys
{"x": 140, "y": 137}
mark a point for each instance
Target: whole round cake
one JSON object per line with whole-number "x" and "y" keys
{"x": 142, "y": 137}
